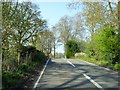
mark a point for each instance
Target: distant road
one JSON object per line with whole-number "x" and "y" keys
{"x": 77, "y": 74}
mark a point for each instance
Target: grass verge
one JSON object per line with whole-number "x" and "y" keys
{"x": 23, "y": 77}
{"x": 103, "y": 63}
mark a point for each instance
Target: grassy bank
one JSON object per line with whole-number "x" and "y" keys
{"x": 22, "y": 77}
{"x": 103, "y": 63}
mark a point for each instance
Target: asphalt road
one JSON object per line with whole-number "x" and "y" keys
{"x": 77, "y": 74}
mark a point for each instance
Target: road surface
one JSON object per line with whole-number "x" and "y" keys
{"x": 77, "y": 74}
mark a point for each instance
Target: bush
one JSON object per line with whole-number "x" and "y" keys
{"x": 117, "y": 66}
{"x": 103, "y": 44}
{"x": 103, "y": 62}
{"x": 69, "y": 54}
{"x": 73, "y": 47}
{"x": 12, "y": 77}
{"x": 38, "y": 56}
{"x": 35, "y": 55}
{"x": 27, "y": 49}
{"x": 23, "y": 67}
{"x": 9, "y": 79}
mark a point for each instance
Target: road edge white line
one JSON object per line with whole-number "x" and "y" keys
{"x": 92, "y": 81}
{"x": 35, "y": 85}
{"x": 89, "y": 63}
{"x": 106, "y": 69}
{"x": 71, "y": 63}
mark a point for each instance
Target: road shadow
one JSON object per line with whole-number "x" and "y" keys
{"x": 62, "y": 70}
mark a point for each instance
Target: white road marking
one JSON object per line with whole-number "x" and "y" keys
{"x": 89, "y": 63}
{"x": 107, "y": 69}
{"x": 71, "y": 63}
{"x": 96, "y": 84}
{"x": 35, "y": 85}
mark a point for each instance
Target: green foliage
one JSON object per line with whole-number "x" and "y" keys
{"x": 21, "y": 22}
{"x": 103, "y": 48}
{"x": 9, "y": 79}
{"x": 102, "y": 62}
{"x": 38, "y": 56}
{"x": 46, "y": 42}
{"x": 27, "y": 50}
{"x": 106, "y": 41}
{"x": 23, "y": 67}
{"x": 103, "y": 44}
{"x": 117, "y": 66}
{"x": 73, "y": 47}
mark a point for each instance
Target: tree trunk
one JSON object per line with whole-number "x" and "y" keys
{"x": 65, "y": 50}
{"x": 18, "y": 58}
{"x": 109, "y": 4}
{"x": 54, "y": 51}
{"x": 19, "y": 47}
{"x": 26, "y": 58}
{"x": 54, "y": 47}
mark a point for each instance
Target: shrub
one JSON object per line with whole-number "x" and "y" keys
{"x": 103, "y": 62}
{"x": 27, "y": 49}
{"x": 73, "y": 47}
{"x": 23, "y": 67}
{"x": 117, "y": 66}
{"x": 38, "y": 56}
{"x": 9, "y": 79}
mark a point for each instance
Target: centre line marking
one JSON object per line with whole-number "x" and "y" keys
{"x": 96, "y": 84}
{"x": 71, "y": 63}
{"x": 35, "y": 85}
